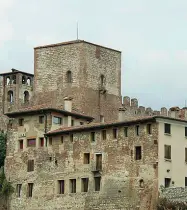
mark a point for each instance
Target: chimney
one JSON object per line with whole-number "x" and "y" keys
{"x": 121, "y": 114}
{"x": 68, "y": 104}
{"x": 68, "y": 107}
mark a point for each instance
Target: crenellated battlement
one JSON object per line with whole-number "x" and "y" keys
{"x": 132, "y": 109}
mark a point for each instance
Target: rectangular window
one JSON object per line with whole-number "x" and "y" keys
{"x": 137, "y": 128}
{"x": 185, "y": 131}
{"x": 30, "y": 189}
{"x": 185, "y": 181}
{"x": 30, "y": 165}
{"x": 57, "y": 120}
{"x": 167, "y": 182}
{"x": 72, "y": 122}
{"x": 21, "y": 122}
{"x": 81, "y": 123}
{"x": 92, "y": 136}
{"x": 31, "y": 142}
{"x": 86, "y": 158}
{"x": 167, "y": 128}
{"x": 149, "y": 128}
{"x": 18, "y": 190}
{"x": 41, "y": 142}
{"x": 61, "y": 186}
{"x": 126, "y": 131}
{"x": 115, "y": 131}
{"x": 20, "y": 144}
{"x": 138, "y": 153}
{"x": 98, "y": 161}
{"x": 50, "y": 141}
{"x": 103, "y": 133}
{"x": 84, "y": 184}
{"x": 97, "y": 181}
{"x": 72, "y": 185}
{"x": 186, "y": 155}
{"x": 167, "y": 151}
{"x": 41, "y": 119}
{"x": 71, "y": 137}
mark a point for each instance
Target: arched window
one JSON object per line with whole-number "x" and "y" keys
{"x": 26, "y": 97}
{"x": 102, "y": 79}
{"x": 14, "y": 79}
{"x": 23, "y": 80}
{"x": 10, "y": 96}
{"x": 8, "y": 80}
{"x": 69, "y": 77}
{"x": 29, "y": 81}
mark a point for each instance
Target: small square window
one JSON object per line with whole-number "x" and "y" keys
{"x": 57, "y": 120}
{"x": 81, "y": 123}
{"x": 21, "y": 122}
{"x": 31, "y": 142}
{"x": 126, "y": 131}
{"x": 86, "y": 158}
{"x": 167, "y": 128}
{"x": 41, "y": 119}
{"x": 103, "y": 133}
{"x": 92, "y": 136}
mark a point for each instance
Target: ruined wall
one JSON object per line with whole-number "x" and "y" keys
{"x": 120, "y": 175}
{"x": 86, "y": 62}
{"x": 132, "y": 109}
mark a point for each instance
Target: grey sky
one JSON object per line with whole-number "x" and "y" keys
{"x": 151, "y": 35}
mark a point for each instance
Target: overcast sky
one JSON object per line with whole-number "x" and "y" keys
{"x": 152, "y": 36}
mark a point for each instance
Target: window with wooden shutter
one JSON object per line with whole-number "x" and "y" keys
{"x": 30, "y": 165}
{"x": 167, "y": 151}
{"x": 61, "y": 186}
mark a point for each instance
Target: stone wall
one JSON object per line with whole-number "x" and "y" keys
{"x": 120, "y": 176}
{"x": 87, "y": 62}
{"x": 178, "y": 194}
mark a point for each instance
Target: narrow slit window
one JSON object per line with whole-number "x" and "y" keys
{"x": 115, "y": 131}
{"x": 30, "y": 189}
{"x": 185, "y": 131}
{"x": 138, "y": 153}
{"x": 137, "y": 130}
{"x": 20, "y": 144}
{"x": 61, "y": 186}
{"x": 71, "y": 137}
{"x": 92, "y": 136}
{"x": 186, "y": 155}
{"x": 18, "y": 189}
{"x": 50, "y": 141}
{"x": 126, "y": 131}
{"x": 149, "y": 129}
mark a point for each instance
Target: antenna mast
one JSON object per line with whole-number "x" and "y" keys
{"x": 77, "y": 30}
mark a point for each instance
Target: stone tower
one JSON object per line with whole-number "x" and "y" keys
{"x": 89, "y": 73}
{"x": 16, "y": 90}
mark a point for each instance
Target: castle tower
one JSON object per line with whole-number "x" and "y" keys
{"x": 16, "y": 90}
{"x": 89, "y": 73}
